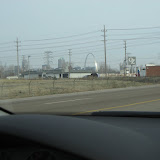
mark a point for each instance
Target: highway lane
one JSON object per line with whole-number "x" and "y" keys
{"x": 146, "y": 98}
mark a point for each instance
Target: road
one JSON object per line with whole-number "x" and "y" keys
{"x": 145, "y": 98}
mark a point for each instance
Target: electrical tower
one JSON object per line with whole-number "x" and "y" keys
{"x": 24, "y": 63}
{"x": 48, "y": 59}
{"x": 104, "y": 40}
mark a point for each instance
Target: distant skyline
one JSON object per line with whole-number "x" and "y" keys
{"x": 59, "y": 25}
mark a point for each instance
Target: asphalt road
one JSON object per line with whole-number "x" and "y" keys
{"x": 146, "y": 98}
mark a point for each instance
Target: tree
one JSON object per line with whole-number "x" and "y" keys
{"x": 121, "y": 66}
{"x": 101, "y": 67}
{"x": 7, "y": 70}
{"x": 109, "y": 69}
{"x": 1, "y": 71}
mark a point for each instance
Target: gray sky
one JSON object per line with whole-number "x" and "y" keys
{"x": 48, "y": 19}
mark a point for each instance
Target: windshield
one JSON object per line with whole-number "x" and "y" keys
{"x": 79, "y": 57}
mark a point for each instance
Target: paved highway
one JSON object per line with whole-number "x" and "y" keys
{"x": 146, "y": 98}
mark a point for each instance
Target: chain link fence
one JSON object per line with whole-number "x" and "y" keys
{"x": 30, "y": 88}
{"x": 152, "y": 80}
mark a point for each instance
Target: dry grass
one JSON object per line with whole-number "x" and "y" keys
{"x": 26, "y": 88}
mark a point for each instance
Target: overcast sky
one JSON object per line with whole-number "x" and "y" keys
{"x": 45, "y": 20}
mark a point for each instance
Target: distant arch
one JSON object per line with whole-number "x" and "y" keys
{"x": 96, "y": 65}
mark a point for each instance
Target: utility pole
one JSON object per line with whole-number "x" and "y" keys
{"x": 104, "y": 35}
{"x": 125, "y": 47}
{"x": 29, "y": 66}
{"x": 69, "y": 62}
{"x": 17, "y": 44}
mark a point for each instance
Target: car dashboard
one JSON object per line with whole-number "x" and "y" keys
{"x": 47, "y": 137}
{"x": 15, "y": 148}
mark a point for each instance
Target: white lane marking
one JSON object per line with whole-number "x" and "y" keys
{"x": 72, "y": 100}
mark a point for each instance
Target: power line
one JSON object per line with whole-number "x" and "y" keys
{"x": 61, "y": 37}
{"x": 99, "y": 49}
{"x": 58, "y": 55}
{"x": 57, "y": 42}
{"x": 63, "y": 49}
{"x": 78, "y": 44}
{"x": 3, "y": 43}
{"x": 75, "y": 55}
{"x": 7, "y": 50}
{"x": 143, "y": 28}
{"x": 87, "y": 42}
{"x": 79, "y": 52}
{"x": 135, "y": 38}
{"x": 118, "y": 60}
{"x": 23, "y": 49}
{"x": 144, "y": 44}
{"x": 93, "y": 48}
{"x": 6, "y": 47}
{"x": 108, "y": 39}
{"x": 130, "y": 34}
{"x": 78, "y": 48}
{"x": 148, "y": 58}
{"x": 59, "y": 46}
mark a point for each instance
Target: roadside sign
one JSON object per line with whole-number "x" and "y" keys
{"x": 131, "y": 60}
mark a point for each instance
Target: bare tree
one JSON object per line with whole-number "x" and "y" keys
{"x": 109, "y": 69}
{"x": 1, "y": 71}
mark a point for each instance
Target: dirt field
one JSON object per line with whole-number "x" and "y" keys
{"x": 28, "y": 88}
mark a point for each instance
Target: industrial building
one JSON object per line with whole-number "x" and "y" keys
{"x": 49, "y": 74}
{"x": 152, "y": 70}
{"x": 61, "y": 63}
{"x": 72, "y": 74}
{"x": 32, "y": 75}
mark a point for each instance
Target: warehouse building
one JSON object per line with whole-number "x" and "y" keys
{"x": 152, "y": 70}
{"x": 49, "y": 74}
{"x": 32, "y": 75}
{"x": 61, "y": 74}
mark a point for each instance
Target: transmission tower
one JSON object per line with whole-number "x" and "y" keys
{"x": 48, "y": 59}
{"x": 24, "y": 63}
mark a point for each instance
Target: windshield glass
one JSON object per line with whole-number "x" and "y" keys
{"x": 79, "y": 57}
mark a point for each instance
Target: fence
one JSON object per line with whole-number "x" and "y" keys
{"x": 153, "y": 80}
{"x": 29, "y": 88}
